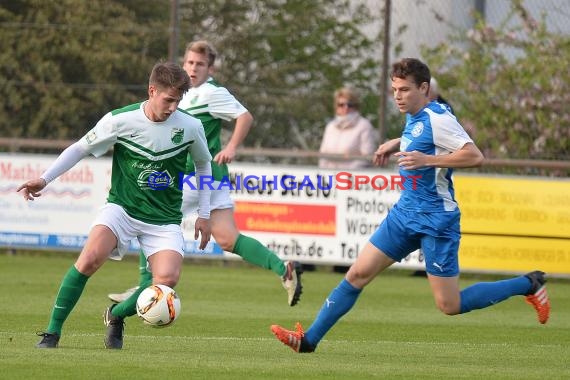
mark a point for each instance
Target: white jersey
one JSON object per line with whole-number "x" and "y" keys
{"x": 212, "y": 103}
{"x": 212, "y": 98}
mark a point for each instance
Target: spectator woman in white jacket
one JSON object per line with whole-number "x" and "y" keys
{"x": 349, "y": 133}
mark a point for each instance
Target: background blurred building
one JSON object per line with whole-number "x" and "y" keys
{"x": 429, "y": 22}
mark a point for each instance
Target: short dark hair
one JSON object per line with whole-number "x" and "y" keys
{"x": 412, "y": 67}
{"x": 169, "y": 75}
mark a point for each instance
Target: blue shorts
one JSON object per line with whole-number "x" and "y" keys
{"x": 437, "y": 234}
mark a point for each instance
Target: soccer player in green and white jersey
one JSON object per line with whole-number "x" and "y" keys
{"x": 212, "y": 103}
{"x": 151, "y": 141}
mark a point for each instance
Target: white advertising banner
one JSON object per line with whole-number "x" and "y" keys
{"x": 509, "y": 224}
{"x": 62, "y": 216}
{"x": 300, "y": 213}
{"x": 311, "y": 215}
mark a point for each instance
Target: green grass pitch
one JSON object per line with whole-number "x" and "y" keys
{"x": 394, "y": 331}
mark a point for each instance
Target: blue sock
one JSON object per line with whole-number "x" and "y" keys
{"x": 337, "y": 304}
{"x": 484, "y": 294}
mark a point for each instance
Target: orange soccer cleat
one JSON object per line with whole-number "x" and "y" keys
{"x": 538, "y": 297}
{"x": 294, "y": 339}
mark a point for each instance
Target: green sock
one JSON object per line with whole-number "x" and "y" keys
{"x": 144, "y": 275}
{"x": 129, "y": 306}
{"x": 256, "y": 253}
{"x": 69, "y": 292}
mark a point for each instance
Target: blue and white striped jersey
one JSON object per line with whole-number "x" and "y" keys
{"x": 434, "y": 131}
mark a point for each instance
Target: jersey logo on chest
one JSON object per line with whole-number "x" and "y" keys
{"x": 418, "y": 129}
{"x": 177, "y": 135}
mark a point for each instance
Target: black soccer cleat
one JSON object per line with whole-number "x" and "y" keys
{"x": 49, "y": 340}
{"x": 115, "y": 328}
{"x": 537, "y": 280}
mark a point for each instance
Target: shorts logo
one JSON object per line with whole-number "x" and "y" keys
{"x": 176, "y": 135}
{"x": 418, "y": 129}
{"x": 438, "y": 266}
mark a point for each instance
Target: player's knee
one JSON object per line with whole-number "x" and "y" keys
{"x": 170, "y": 279}
{"x": 357, "y": 277}
{"x": 225, "y": 243}
{"x": 224, "y": 239}
{"x": 448, "y": 307}
{"x": 86, "y": 268}
{"x": 89, "y": 262}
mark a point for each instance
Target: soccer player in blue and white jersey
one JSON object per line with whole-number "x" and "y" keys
{"x": 426, "y": 216}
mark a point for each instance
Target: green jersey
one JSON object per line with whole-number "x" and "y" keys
{"x": 211, "y": 103}
{"x": 149, "y": 160}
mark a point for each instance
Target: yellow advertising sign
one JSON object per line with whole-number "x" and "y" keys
{"x": 514, "y": 224}
{"x": 514, "y": 254}
{"x": 514, "y": 206}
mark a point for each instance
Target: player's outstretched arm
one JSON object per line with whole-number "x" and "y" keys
{"x": 32, "y": 188}
{"x": 65, "y": 161}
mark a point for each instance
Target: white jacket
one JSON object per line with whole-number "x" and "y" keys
{"x": 348, "y": 135}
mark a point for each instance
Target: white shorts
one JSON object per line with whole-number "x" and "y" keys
{"x": 152, "y": 238}
{"x": 219, "y": 199}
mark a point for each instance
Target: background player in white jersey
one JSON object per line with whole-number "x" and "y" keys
{"x": 426, "y": 216}
{"x": 151, "y": 141}
{"x": 212, "y": 103}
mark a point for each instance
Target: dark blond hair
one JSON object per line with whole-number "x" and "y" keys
{"x": 166, "y": 75}
{"x": 349, "y": 93}
{"x": 202, "y": 47}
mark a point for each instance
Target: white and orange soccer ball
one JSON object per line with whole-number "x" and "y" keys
{"x": 158, "y": 306}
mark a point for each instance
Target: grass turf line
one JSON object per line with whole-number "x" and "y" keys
{"x": 393, "y": 332}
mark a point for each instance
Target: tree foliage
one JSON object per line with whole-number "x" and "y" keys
{"x": 67, "y": 62}
{"x": 284, "y": 59}
{"x": 512, "y": 83}
{"x": 64, "y": 63}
